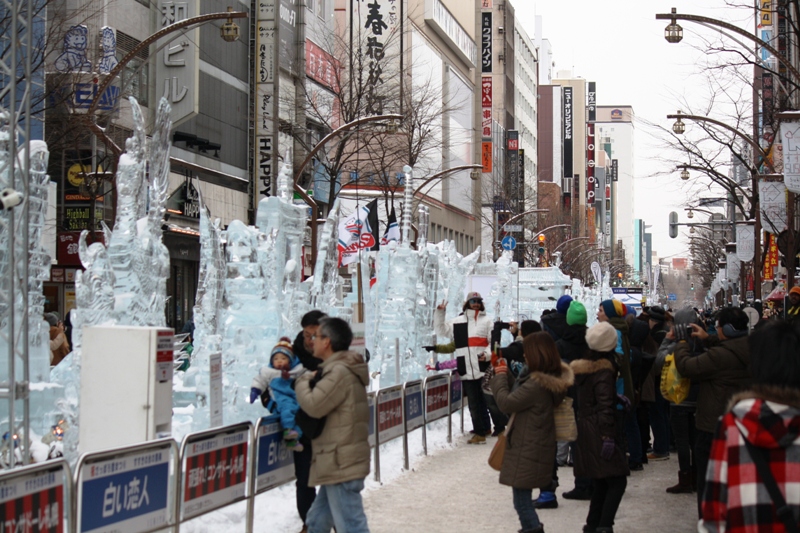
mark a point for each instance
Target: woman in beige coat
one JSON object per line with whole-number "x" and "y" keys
{"x": 531, "y": 445}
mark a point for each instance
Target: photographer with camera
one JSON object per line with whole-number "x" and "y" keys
{"x": 720, "y": 372}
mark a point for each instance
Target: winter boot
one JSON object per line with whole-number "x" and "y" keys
{"x": 477, "y": 439}
{"x": 684, "y": 485}
{"x": 546, "y": 500}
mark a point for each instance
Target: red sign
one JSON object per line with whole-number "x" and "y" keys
{"x": 214, "y": 471}
{"x": 33, "y": 504}
{"x": 513, "y": 144}
{"x": 390, "y": 414}
{"x": 486, "y": 157}
{"x": 486, "y": 91}
{"x": 322, "y": 67}
{"x": 437, "y": 398}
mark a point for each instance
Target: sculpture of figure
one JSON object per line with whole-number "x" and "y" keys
{"x": 73, "y": 58}
{"x": 108, "y": 44}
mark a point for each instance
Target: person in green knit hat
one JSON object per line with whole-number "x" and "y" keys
{"x": 613, "y": 312}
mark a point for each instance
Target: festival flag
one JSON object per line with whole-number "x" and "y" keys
{"x": 392, "y": 230}
{"x": 358, "y": 232}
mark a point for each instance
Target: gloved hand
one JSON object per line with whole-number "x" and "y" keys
{"x": 624, "y": 402}
{"x": 254, "y": 394}
{"x": 607, "y": 451}
{"x": 432, "y": 368}
{"x": 429, "y": 348}
{"x": 682, "y": 332}
{"x": 285, "y": 374}
{"x": 495, "y": 357}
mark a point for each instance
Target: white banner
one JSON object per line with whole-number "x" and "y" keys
{"x": 790, "y": 135}
{"x": 596, "y": 272}
{"x": 733, "y": 267}
{"x": 772, "y": 195}
{"x": 745, "y": 242}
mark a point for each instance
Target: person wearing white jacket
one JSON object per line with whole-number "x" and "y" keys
{"x": 472, "y": 356}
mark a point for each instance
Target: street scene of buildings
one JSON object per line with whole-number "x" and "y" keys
{"x": 258, "y": 259}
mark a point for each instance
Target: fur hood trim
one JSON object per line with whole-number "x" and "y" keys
{"x": 555, "y": 384}
{"x": 587, "y": 366}
{"x": 772, "y": 393}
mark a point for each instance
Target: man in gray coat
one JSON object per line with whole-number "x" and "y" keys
{"x": 340, "y": 460}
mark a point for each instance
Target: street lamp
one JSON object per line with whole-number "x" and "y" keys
{"x": 229, "y": 30}
{"x": 685, "y": 174}
{"x": 673, "y": 33}
{"x": 690, "y": 214}
{"x": 679, "y": 127}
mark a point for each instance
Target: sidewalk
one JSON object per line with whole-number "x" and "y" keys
{"x": 458, "y": 492}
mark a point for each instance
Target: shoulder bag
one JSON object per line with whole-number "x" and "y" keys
{"x": 499, "y": 450}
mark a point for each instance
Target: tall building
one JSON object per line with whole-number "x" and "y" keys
{"x": 550, "y": 140}
{"x": 615, "y": 132}
{"x": 573, "y": 98}
{"x": 526, "y": 111}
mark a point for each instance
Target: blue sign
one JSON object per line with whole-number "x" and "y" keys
{"x": 274, "y": 461}
{"x": 415, "y": 416}
{"x": 672, "y": 297}
{"x": 508, "y": 242}
{"x": 455, "y": 392}
{"x": 85, "y": 92}
{"x": 125, "y": 493}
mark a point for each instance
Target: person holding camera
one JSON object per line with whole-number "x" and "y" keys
{"x": 720, "y": 372}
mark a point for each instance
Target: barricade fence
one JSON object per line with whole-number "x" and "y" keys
{"x": 160, "y": 484}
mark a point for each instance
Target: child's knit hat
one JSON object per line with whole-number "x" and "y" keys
{"x": 284, "y": 347}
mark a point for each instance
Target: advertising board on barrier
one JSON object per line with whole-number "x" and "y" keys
{"x": 214, "y": 469}
{"x": 32, "y": 500}
{"x": 390, "y": 413}
{"x": 274, "y": 461}
{"x": 126, "y": 493}
{"x": 371, "y": 403}
{"x": 455, "y": 392}
{"x": 436, "y": 398}
{"x": 412, "y": 398}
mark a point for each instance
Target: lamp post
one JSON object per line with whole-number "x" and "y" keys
{"x": 310, "y": 202}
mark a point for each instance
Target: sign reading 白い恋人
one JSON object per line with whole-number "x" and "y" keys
{"x": 266, "y": 99}
{"x": 178, "y": 63}
{"x": 378, "y": 29}
{"x": 274, "y": 461}
{"x": 33, "y": 501}
{"x": 455, "y": 392}
{"x": 414, "y": 413}
{"x": 127, "y": 493}
{"x": 486, "y": 42}
{"x": 215, "y": 470}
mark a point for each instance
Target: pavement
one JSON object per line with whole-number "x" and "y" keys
{"x": 457, "y": 491}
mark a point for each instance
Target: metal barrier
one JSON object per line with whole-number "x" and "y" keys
{"x": 156, "y": 485}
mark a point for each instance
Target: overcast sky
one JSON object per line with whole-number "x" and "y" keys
{"x": 620, "y": 45}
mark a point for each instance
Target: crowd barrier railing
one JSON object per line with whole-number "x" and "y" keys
{"x": 160, "y": 484}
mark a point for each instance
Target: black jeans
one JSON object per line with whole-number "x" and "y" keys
{"x": 499, "y": 419}
{"x": 702, "y": 453}
{"x": 606, "y": 497}
{"x": 302, "y": 468}
{"x": 477, "y": 406}
{"x": 681, "y": 420}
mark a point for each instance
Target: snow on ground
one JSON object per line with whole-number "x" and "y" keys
{"x": 276, "y": 511}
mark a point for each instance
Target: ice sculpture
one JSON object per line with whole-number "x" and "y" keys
{"x": 326, "y": 271}
{"x": 539, "y": 289}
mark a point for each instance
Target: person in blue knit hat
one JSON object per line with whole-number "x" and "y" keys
{"x": 556, "y": 323}
{"x": 284, "y": 367}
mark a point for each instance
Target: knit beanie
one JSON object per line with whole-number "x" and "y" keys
{"x": 602, "y": 337}
{"x": 563, "y": 304}
{"x": 576, "y": 314}
{"x": 614, "y": 308}
{"x": 284, "y": 346}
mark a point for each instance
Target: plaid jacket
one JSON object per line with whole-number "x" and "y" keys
{"x": 735, "y": 499}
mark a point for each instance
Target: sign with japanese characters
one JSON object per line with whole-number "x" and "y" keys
{"x": 412, "y": 398}
{"x": 455, "y": 392}
{"x": 378, "y": 37}
{"x": 165, "y": 344}
{"x": 266, "y": 99}
{"x": 126, "y": 493}
{"x": 567, "y": 132}
{"x": 790, "y": 137}
{"x": 215, "y": 389}
{"x": 437, "y": 398}
{"x": 274, "y": 461}
{"x": 178, "y": 62}
{"x": 486, "y": 42}
{"x": 486, "y": 107}
{"x": 289, "y": 17}
{"x": 390, "y": 413}
{"x": 486, "y": 157}
{"x": 32, "y": 499}
{"x": 214, "y": 469}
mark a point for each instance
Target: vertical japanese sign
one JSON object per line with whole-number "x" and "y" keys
{"x": 486, "y": 42}
{"x": 33, "y": 501}
{"x": 214, "y": 470}
{"x": 274, "y": 461}
{"x": 772, "y": 259}
{"x": 591, "y": 181}
{"x": 288, "y": 17}
{"x": 614, "y": 169}
{"x": 266, "y": 99}
{"x": 486, "y": 157}
{"x": 379, "y": 34}
{"x": 514, "y": 184}
{"x": 486, "y": 107}
{"x": 215, "y": 389}
{"x": 126, "y": 493}
{"x": 567, "y": 133}
{"x": 178, "y": 63}
{"x": 165, "y": 343}
{"x": 790, "y": 139}
{"x": 592, "y": 101}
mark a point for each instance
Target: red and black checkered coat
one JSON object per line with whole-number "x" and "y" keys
{"x": 735, "y": 499}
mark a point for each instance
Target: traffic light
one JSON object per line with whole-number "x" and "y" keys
{"x": 673, "y": 224}
{"x": 542, "y": 242}
{"x": 692, "y": 287}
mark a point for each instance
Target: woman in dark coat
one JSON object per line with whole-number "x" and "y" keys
{"x": 600, "y": 446}
{"x": 531, "y": 446}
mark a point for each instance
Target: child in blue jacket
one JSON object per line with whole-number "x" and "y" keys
{"x": 284, "y": 367}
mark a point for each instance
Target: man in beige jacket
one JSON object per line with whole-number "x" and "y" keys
{"x": 340, "y": 460}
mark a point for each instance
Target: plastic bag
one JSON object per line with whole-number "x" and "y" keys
{"x": 673, "y": 387}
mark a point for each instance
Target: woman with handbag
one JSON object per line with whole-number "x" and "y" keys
{"x": 754, "y": 469}
{"x": 530, "y": 437}
{"x": 600, "y": 453}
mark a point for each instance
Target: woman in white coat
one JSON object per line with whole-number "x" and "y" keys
{"x": 472, "y": 356}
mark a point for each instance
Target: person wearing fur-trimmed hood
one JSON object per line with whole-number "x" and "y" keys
{"x": 600, "y": 450}
{"x": 531, "y": 445}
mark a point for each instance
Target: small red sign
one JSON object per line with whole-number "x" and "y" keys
{"x": 437, "y": 398}
{"x": 513, "y": 144}
{"x": 390, "y": 414}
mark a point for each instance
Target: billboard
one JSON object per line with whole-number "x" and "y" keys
{"x": 567, "y": 131}
{"x": 486, "y": 43}
{"x": 178, "y": 63}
